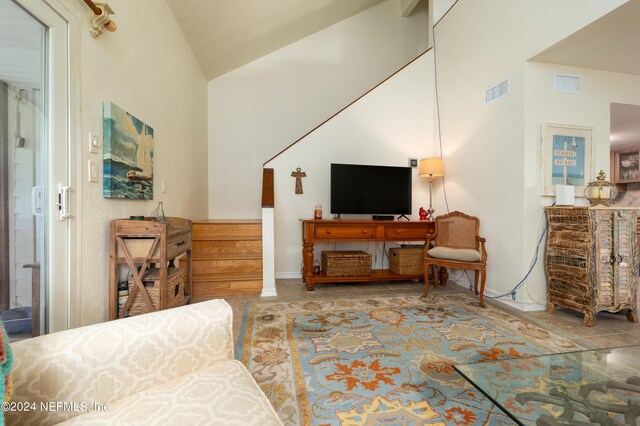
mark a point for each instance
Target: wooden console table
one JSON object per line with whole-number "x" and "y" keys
{"x": 314, "y": 231}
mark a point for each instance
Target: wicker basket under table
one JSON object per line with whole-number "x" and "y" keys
{"x": 406, "y": 260}
{"x": 346, "y": 263}
{"x": 174, "y": 290}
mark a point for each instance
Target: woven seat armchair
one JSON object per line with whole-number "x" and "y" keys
{"x": 457, "y": 245}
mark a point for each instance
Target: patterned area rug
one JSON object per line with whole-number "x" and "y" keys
{"x": 384, "y": 360}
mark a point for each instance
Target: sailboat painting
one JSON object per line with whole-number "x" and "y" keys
{"x": 128, "y": 155}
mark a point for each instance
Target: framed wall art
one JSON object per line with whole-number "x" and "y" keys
{"x": 567, "y": 157}
{"x": 128, "y": 155}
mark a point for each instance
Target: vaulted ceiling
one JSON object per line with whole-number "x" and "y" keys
{"x": 226, "y": 34}
{"x": 609, "y": 43}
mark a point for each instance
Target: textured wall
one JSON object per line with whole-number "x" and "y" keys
{"x": 147, "y": 68}
{"x": 390, "y": 125}
{"x": 590, "y": 108}
{"x": 262, "y": 107}
{"x": 491, "y": 150}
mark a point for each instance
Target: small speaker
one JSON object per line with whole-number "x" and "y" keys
{"x": 382, "y": 217}
{"x": 565, "y": 195}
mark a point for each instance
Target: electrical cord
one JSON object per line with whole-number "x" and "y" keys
{"x": 544, "y": 298}
{"x": 457, "y": 280}
{"x": 435, "y": 80}
{"x": 526, "y": 289}
{"x": 513, "y": 292}
{"x": 515, "y": 289}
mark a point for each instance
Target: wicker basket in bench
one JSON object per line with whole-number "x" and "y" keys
{"x": 406, "y": 260}
{"x": 174, "y": 290}
{"x": 346, "y": 263}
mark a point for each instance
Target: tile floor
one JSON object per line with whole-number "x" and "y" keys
{"x": 610, "y": 329}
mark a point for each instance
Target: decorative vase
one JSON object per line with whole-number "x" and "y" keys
{"x": 158, "y": 214}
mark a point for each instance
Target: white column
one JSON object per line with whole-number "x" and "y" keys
{"x": 268, "y": 253}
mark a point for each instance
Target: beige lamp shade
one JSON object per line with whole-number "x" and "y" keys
{"x": 431, "y": 167}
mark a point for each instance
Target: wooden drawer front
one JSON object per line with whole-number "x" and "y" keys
{"x": 226, "y": 288}
{"x": 137, "y": 227}
{"x": 206, "y": 267}
{"x": 401, "y": 232}
{"x": 178, "y": 244}
{"x": 227, "y": 231}
{"x": 573, "y": 295}
{"x": 138, "y": 248}
{"x": 346, "y": 232}
{"x": 221, "y": 249}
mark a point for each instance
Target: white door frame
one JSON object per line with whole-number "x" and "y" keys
{"x": 62, "y": 238}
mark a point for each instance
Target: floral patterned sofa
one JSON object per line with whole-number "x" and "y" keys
{"x": 173, "y": 367}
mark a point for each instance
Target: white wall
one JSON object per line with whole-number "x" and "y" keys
{"x": 257, "y": 110}
{"x": 489, "y": 165}
{"x": 590, "y": 108}
{"x": 387, "y": 127}
{"x": 483, "y": 145}
{"x": 440, "y": 7}
{"x": 147, "y": 68}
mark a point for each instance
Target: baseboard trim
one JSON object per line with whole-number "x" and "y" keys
{"x": 288, "y": 275}
{"x": 516, "y": 304}
{"x": 268, "y": 292}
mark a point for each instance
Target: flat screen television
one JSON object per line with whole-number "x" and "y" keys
{"x": 363, "y": 189}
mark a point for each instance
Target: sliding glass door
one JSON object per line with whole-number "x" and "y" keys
{"x": 34, "y": 178}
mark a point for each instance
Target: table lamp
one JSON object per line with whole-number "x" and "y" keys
{"x": 431, "y": 167}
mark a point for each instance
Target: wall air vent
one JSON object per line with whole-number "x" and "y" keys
{"x": 498, "y": 90}
{"x": 566, "y": 83}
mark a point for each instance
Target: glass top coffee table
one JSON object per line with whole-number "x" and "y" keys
{"x": 593, "y": 387}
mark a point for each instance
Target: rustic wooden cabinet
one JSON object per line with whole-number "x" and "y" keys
{"x": 148, "y": 249}
{"x": 592, "y": 260}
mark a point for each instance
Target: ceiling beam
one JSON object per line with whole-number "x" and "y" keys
{"x": 408, "y": 6}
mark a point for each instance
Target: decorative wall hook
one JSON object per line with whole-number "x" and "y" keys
{"x": 100, "y": 19}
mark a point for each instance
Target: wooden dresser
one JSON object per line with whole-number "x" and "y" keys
{"x": 141, "y": 245}
{"x": 592, "y": 260}
{"x": 227, "y": 258}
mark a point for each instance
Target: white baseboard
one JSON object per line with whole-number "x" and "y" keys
{"x": 288, "y": 275}
{"x": 268, "y": 292}
{"x": 521, "y": 306}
